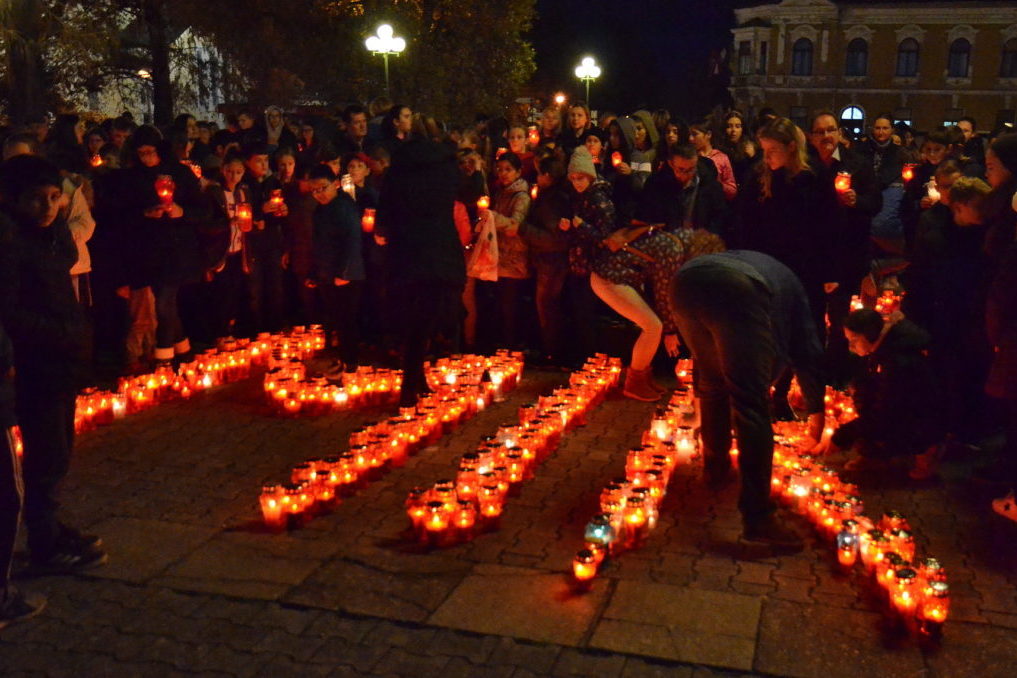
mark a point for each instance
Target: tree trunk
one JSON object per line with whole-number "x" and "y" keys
{"x": 26, "y": 73}
{"x": 158, "y": 42}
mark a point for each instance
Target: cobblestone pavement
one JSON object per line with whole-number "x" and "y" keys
{"x": 195, "y": 586}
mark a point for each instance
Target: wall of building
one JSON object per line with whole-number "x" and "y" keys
{"x": 928, "y": 99}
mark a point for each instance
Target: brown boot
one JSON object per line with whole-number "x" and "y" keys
{"x": 638, "y": 386}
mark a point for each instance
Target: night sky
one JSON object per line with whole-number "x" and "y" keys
{"x": 654, "y": 53}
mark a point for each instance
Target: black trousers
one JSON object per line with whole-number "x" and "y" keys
{"x": 724, "y": 317}
{"x": 11, "y": 495}
{"x": 342, "y": 316}
{"x": 266, "y": 290}
{"x": 429, "y": 308}
{"x": 46, "y": 416}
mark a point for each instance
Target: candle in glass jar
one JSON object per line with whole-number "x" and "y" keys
{"x": 843, "y": 182}
{"x": 164, "y": 188}
{"x": 616, "y": 158}
{"x": 584, "y": 566}
{"x": 367, "y": 221}
{"x": 483, "y": 202}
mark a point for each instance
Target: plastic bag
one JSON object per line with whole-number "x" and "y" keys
{"x": 483, "y": 261}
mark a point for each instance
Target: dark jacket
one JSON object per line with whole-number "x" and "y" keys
{"x": 1001, "y": 326}
{"x": 38, "y": 308}
{"x": 216, "y": 231}
{"x": 847, "y": 227}
{"x": 785, "y": 224}
{"x": 886, "y": 161}
{"x": 896, "y": 396}
{"x": 7, "y": 417}
{"x": 163, "y": 250}
{"x": 298, "y": 230}
{"x": 946, "y": 282}
{"x": 664, "y": 200}
{"x": 338, "y": 251}
{"x": 540, "y": 230}
{"x": 415, "y": 214}
{"x": 794, "y": 334}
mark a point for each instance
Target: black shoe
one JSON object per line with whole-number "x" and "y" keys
{"x": 774, "y": 533}
{"x": 72, "y": 536}
{"x": 68, "y": 558}
{"x": 17, "y": 605}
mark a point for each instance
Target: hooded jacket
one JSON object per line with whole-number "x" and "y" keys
{"x": 511, "y": 205}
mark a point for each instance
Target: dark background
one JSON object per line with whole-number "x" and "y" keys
{"x": 653, "y": 53}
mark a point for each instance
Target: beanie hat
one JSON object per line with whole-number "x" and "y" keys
{"x": 1005, "y": 148}
{"x": 582, "y": 162}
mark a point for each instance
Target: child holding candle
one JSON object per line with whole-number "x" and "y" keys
{"x": 338, "y": 261}
{"x": 896, "y": 395}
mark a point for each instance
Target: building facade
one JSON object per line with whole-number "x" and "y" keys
{"x": 926, "y": 63}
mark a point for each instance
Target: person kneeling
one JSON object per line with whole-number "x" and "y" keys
{"x": 895, "y": 392}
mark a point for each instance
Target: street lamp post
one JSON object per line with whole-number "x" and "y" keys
{"x": 587, "y": 71}
{"x": 385, "y": 42}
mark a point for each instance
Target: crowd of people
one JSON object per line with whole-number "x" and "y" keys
{"x": 127, "y": 246}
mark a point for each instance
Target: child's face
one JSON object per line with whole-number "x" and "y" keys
{"x": 41, "y": 205}
{"x": 357, "y": 169}
{"x": 324, "y": 191}
{"x": 933, "y": 152}
{"x": 965, "y": 214}
{"x": 233, "y": 172}
{"x": 258, "y": 166}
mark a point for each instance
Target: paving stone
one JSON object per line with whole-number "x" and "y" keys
{"x": 359, "y": 589}
{"x": 812, "y": 641}
{"x": 475, "y": 648}
{"x": 537, "y": 657}
{"x": 965, "y": 646}
{"x": 563, "y": 618}
{"x": 579, "y": 663}
{"x": 644, "y": 668}
{"x": 457, "y": 667}
{"x": 400, "y": 662}
{"x": 680, "y": 624}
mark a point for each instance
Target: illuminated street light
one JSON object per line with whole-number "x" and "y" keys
{"x": 144, "y": 74}
{"x": 587, "y": 71}
{"x": 559, "y": 98}
{"x": 385, "y": 43}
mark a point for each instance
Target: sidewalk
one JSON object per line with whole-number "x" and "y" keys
{"x": 194, "y": 585}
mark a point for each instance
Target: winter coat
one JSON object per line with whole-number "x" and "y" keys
{"x": 415, "y": 214}
{"x": 663, "y": 201}
{"x": 1001, "y": 325}
{"x": 847, "y": 227}
{"x": 896, "y": 395}
{"x": 540, "y": 231}
{"x": 785, "y": 225}
{"x": 509, "y": 208}
{"x": 163, "y": 250}
{"x": 337, "y": 245}
{"x": 38, "y": 308}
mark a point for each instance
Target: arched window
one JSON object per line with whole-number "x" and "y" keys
{"x": 853, "y": 118}
{"x": 801, "y": 57}
{"x": 907, "y": 58}
{"x": 1008, "y": 66}
{"x": 960, "y": 58}
{"x": 857, "y": 58}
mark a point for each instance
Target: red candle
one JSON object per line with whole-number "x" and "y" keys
{"x": 534, "y": 136}
{"x": 164, "y": 188}
{"x": 96, "y": 160}
{"x": 244, "y": 212}
{"x": 843, "y": 182}
{"x": 616, "y": 158}
{"x": 908, "y": 173}
{"x": 483, "y": 202}
{"x": 367, "y": 221}
{"x": 276, "y": 196}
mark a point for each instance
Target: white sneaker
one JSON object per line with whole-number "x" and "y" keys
{"x": 1006, "y": 506}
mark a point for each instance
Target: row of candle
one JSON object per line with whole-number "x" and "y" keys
{"x": 465, "y": 387}
{"x": 231, "y": 361}
{"x": 916, "y": 590}
{"x": 629, "y": 504}
{"x": 886, "y": 303}
{"x": 453, "y": 511}
{"x": 291, "y": 392}
{"x": 842, "y": 182}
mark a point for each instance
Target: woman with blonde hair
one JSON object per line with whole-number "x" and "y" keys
{"x": 777, "y": 214}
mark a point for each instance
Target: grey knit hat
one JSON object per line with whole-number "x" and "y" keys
{"x": 582, "y": 162}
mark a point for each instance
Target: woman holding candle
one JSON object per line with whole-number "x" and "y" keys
{"x": 701, "y": 136}
{"x": 510, "y": 205}
{"x": 225, "y": 246}
{"x": 737, "y": 143}
{"x": 165, "y": 250}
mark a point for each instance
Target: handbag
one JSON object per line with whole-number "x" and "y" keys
{"x": 483, "y": 261}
